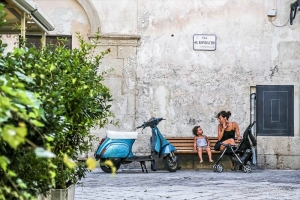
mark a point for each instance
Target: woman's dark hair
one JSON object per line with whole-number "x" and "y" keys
{"x": 224, "y": 114}
{"x": 195, "y": 130}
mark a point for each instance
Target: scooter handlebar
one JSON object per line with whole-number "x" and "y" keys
{"x": 139, "y": 126}
{"x": 150, "y": 122}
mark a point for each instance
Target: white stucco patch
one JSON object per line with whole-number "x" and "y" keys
{"x": 64, "y": 17}
{"x": 161, "y": 96}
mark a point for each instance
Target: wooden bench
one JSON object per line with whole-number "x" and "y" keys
{"x": 185, "y": 145}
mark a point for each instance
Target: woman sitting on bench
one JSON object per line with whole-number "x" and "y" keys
{"x": 227, "y": 129}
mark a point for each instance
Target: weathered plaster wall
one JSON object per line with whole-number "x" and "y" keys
{"x": 117, "y": 16}
{"x": 201, "y": 83}
{"x": 122, "y": 80}
{"x": 189, "y": 87}
{"x": 159, "y": 74}
{"x": 11, "y": 41}
{"x": 68, "y": 17}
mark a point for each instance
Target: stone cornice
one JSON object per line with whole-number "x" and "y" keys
{"x": 118, "y": 39}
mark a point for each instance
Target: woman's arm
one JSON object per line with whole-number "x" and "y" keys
{"x": 195, "y": 140}
{"x": 237, "y": 130}
{"x": 220, "y": 131}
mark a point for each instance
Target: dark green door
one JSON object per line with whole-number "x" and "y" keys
{"x": 275, "y": 110}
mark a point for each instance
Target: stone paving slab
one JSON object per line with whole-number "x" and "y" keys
{"x": 190, "y": 184}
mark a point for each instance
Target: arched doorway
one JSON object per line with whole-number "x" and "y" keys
{"x": 92, "y": 14}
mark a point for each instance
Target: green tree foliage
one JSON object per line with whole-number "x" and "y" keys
{"x": 50, "y": 98}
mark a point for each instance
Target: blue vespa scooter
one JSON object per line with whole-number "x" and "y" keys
{"x": 117, "y": 147}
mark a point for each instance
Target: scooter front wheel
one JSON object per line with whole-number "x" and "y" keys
{"x": 169, "y": 164}
{"x": 107, "y": 168}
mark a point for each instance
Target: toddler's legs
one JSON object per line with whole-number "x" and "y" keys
{"x": 200, "y": 154}
{"x": 209, "y": 154}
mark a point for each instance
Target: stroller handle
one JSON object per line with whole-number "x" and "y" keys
{"x": 250, "y": 126}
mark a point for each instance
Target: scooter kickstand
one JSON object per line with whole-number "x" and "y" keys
{"x": 143, "y": 165}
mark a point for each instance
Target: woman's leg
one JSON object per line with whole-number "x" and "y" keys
{"x": 229, "y": 141}
{"x": 200, "y": 154}
{"x": 209, "y": 154}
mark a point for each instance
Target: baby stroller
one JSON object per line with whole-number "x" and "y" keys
{"x": 240, "y": 155}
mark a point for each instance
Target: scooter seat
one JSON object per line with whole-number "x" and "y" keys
{"x": 121, "y": 135}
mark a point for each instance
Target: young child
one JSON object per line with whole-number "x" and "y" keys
{"x": 201, "y": 143}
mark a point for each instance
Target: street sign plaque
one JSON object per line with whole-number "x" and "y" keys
{"x": 204, "y": 42}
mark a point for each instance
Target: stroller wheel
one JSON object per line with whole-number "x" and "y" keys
{"x": 220, "y": 168}
{"x": 247, "y": 168}
{"x": 215, "y": 167}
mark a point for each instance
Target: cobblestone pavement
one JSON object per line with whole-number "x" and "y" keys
{"x": 190, "y": 184}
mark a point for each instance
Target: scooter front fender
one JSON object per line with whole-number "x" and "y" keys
{"x": 167, "y": 149}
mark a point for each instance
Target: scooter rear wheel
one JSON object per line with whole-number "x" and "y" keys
{"x": 109, "y": 169}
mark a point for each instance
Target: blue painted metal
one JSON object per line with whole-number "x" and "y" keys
{"x": 161, "y": 145}
{"x": 115, "y": 148}
{"x": 122, "y": 148}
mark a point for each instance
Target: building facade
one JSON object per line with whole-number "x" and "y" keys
{"x": 188, "y": 60}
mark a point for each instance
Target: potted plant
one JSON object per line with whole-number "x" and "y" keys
{"x": 74, "y": 100}
{"x": 69, "y": 99}
{"x": 24, "y": 171}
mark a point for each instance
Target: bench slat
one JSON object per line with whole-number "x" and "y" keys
{"x": 185, "y": 145}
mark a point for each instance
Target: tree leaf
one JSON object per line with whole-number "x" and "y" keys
{"x": 14, "y": 136}
{"x": 69, "y": 162}
{"x": 23, "y": 77}
{"x": 91, "y": 163}
{"x": 37, "y": 123}
{"x": 21, "y": 184}
{"x": 11, "y": 173}
{"x": 4, "y": 162}
{"x": 42, "y": 153}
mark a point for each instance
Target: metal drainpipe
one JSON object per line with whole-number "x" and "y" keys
{"x": 252, "y": 111}
{"x": 252, "y": 119}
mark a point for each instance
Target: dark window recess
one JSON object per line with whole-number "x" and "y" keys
{"x": 53, "y": 39}
{"x": 275, "y": 110}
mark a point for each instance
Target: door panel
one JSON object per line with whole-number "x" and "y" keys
{"x": 275, "y": 110}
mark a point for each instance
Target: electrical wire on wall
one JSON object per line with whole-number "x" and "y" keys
{"x": 276, "y": 18}
{"x": 280, "y": 25}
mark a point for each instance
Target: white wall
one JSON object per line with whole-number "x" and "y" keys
{"x": 189, "y": 87}
{"x": 161, "y": 75}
